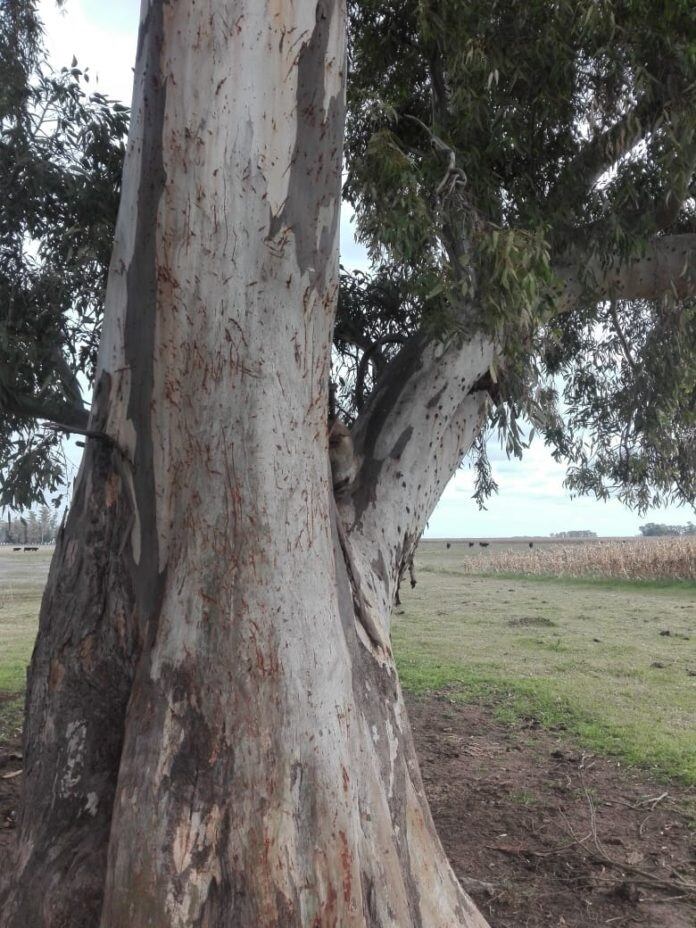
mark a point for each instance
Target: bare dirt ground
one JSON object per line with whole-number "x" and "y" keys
{"x": 564, "y": 839}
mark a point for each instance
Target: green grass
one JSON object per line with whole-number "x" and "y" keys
{"x": 579, "y": 656}
{"x": 687, "y": 587}
{"x": 22, "y": 579}
{"x": 11, "y": 718}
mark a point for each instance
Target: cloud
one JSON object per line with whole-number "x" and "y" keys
{"x": 353, "y": 255}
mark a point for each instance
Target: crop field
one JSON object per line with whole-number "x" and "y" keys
{"x": 672, "y": 558}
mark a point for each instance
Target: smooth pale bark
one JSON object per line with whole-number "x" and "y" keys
{"x": 667, "y": 265}
{"x": 213, "y": 738}
{"x": 426, "y": 413}
{"x": 421, "y": 421}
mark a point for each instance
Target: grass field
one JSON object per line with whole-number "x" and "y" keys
{"x": 611, "y": 662}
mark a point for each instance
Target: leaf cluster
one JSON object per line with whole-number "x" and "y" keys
{"x": 61, "y": 153}
{"x": 486, "y": 144}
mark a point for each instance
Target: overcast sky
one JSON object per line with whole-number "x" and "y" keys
{"x": 532, "y": 501}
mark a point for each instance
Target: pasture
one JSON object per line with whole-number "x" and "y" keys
{"x": 611, "y": 661}
{"x": 553, "y": 719}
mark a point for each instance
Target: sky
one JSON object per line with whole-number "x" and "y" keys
{"x": 531, "y": 500}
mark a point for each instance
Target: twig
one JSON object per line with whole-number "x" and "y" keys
{"x": 654, "y": 802}
{"x": 562, "y": 848}
{"x": 622, "y": 338}
{"x": 648, "y": 801}
{"x": 90, "y": 433}
{"x": 639, "y": 875}
{"x": 74, "y": 429}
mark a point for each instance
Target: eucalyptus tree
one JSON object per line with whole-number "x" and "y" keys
{"x": 215, "y": 731}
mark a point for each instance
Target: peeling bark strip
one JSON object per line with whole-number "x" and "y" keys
{"x": 141, "y": 314}
{"x": 266, "y": 771}
{"x": 312, "y": 186}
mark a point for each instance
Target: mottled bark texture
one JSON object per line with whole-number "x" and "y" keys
{"x": 216, "y": 735}
{"x": 78, "y": 688}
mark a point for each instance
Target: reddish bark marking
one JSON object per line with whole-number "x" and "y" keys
{"x": 347, "y": 864}
{"x": 56, "y": 674}
{"x": 87, "y": 646}
{"x": 267, "y": 667}
{"x": 111, "y": 490}
{"x": 328, "y": 914}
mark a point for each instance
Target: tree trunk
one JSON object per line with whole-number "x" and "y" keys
{"x": 215, "y": 733}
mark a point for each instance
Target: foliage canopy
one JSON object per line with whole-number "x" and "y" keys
{"x": 494, "y": 148}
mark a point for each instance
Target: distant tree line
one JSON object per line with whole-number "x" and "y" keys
{"x": 581, "y": 533}
{"x": 657, "y": 528}
{"x": 35, "y": 527}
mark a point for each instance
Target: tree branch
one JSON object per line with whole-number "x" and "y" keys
{"x": 420, "y": 421}
{"x": 32, "y": 407}
{"x": 68, "y": 378}
{"x": 602, "y": 152}
{"x": 620, "y": 335}
{"x": 668, "y": 264}
{"x": 372, "y": 354}
{"x": 674, "y": 199}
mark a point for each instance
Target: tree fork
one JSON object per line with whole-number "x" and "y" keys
{"x": 258, "y": 767}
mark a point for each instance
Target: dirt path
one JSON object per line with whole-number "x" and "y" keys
{"x": 519, "y": 808}
{"x": 566, "y": 840}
